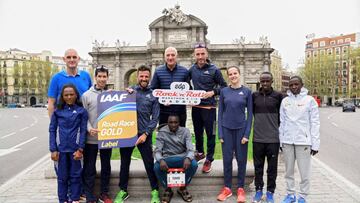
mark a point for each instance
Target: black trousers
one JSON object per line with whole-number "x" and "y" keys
{"x": 163, "y": 118}
{"x": 148, "y": 159}
{"x": 204, "y": 119}
{"x": 270, "y": 151}
{"x": 89, "y": 172}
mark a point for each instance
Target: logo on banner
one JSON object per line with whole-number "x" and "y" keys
{"x": 180, "y": 94}
{"x": 117, "y": 119}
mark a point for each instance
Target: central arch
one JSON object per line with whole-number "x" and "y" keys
{"x": 130, "y": 78}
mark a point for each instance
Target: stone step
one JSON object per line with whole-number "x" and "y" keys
{"x": 139, "y": 186}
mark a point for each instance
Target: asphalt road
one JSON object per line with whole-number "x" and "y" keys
{"x": 23, "y": 139}
{"x": 340, "y": 142}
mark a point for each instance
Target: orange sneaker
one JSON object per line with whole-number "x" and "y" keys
{"x": 206, "y": 167}
{"x": 224, "y": 194}
{"x": 241, "y": 196}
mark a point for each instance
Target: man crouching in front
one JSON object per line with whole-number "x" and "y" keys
{"x": 174, "y": 149}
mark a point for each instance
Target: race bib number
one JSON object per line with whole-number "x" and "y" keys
{"x": 176, "y": 177}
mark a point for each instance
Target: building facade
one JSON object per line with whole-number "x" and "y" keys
{"x": 328, "y": 67}
{"x": 276, "y": 69}
{"x": 182, "y": 31}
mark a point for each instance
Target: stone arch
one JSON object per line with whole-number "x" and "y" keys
{"x": 32, "y": 101}
{"x": 127, "y": 77}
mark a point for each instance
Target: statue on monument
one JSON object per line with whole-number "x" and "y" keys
{"x": 264, "y": 41}
{"x": 175, "y": 14}
{"x": 96, "y": 45}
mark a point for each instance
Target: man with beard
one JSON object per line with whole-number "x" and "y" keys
{"x": 205, "y": 76}
{"x": 147, "y": 116}
{"x": 266, "y": 107}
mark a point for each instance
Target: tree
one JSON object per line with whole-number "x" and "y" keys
{"x": 320, "y": 75}
{"x": 355, "y": 71}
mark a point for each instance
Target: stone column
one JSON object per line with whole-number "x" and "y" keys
{"x": 161, "y": 35}
{"x": 193, "y": 34}
{"x": 266, "y": 62}
{"x": 201, "y": 30}
{"x": 117, "y": 79}
{"x": 242, "y": 68}
{"x": 153, "y": 36}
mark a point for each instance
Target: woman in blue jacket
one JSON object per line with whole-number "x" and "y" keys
{"x": 67, "y": 132}
{"x": 235, "y": 117}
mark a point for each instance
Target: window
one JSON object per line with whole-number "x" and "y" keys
{"x": 332, "y": 42}
{"x": 337, "y": 65}
{"x": 308, "y": 54}
{"x": 337, "y": 73}
{"x": 344, "y": 73}
{"x": 344, "y": 65}
{"x": 322, "y": 43}
{"x": 340, "y": 41}
{"x": 343, "y": 82}
{"x": 315, "y": 53}
{"x": 329, "y": 51}
{"x": 321, "y": 82}
{"x": 337, "y": 50}
{"x": 309, "y": 46}
{"x": 344, "y": 90}
{"x": 348, "y": 40}
{"x": 315, "y": 44}
{"x": 344, "y": 50}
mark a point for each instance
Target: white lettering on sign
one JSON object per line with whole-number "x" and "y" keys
{"x": 179, "y": 94}
{"x": 111, "y": 98}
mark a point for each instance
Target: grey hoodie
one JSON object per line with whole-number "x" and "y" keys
{"x": 89, "y": 100}
{"x": 170, "y": 144}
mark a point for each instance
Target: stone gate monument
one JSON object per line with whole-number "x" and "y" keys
{"x": 181, "y": 31}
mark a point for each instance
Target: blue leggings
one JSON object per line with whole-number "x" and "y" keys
{"x": 68, "y": 171}
{"x": 232, "y": 143}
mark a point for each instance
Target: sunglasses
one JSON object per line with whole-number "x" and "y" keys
{"x": 71, "y": 57}
{"x": 198, "y": 46}
{"x": 102, "y": 67}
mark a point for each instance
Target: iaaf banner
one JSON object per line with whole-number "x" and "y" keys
{"x": 117, "y": 119}
{"x": 180, "y": 94}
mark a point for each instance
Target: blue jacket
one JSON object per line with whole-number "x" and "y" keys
{"x": 67, "y": 129}
{"x": 235, "y": 110}
{"x": 207, "y": 78}
{"x": 163, "y": 78}
{"x": 148, "y": 110}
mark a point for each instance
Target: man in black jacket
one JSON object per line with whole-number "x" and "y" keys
{"x": 266, "y": 105}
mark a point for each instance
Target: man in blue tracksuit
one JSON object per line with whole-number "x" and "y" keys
{"x": 205, "y": 76}
{"x": 147, "y": 117}
{"x": 163, "y": 77}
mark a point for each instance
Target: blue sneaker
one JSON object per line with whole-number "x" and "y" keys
{"x": 258, "y": 196}
{"x": 269, "y": 197}
{"x": 301, "y": 200}
{"x": 289, "y": 199}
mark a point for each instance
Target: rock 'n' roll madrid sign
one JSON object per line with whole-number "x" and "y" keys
{"x": 180, "y": 94}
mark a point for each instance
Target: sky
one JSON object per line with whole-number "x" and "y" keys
{"x": 57, "y": 25}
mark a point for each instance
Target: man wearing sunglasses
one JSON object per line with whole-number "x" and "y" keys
{"x": 205, "y": 76}
{"x": 81, "y": 79}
